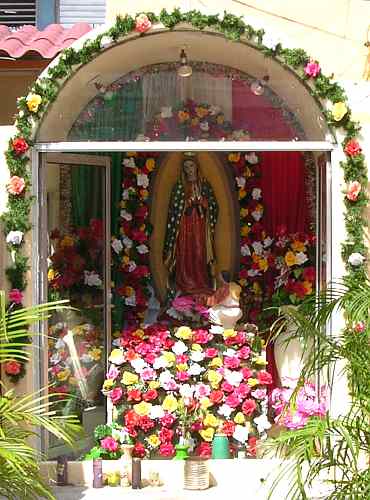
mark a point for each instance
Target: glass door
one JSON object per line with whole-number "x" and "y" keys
{"x": 74, "y": 244}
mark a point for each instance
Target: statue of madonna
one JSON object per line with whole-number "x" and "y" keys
{"x": 189, "y": 243}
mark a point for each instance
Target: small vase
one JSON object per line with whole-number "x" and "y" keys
{"x": 181, "y": 452}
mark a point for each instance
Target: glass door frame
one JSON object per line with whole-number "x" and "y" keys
{"x": 323, "y": 193}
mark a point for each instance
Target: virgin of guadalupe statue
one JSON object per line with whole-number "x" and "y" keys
{"x": 189, "y": 243}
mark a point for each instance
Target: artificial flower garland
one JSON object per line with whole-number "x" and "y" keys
{"x": 45, "y": 90}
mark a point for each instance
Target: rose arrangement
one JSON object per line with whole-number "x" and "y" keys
{"x": 294, "y": 406}
{"x": 221, "y": 377}
{"x": 80, "y": 379}
{"x": 76, "y": 262}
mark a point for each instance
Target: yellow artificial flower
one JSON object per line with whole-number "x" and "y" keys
{"x": 170, "y": 403}
{"x": 117, "y": 357}
{"x": 263, "y": 264}
{"x": 33, "y": 102}
{"x": 129, "y": 378}
{"x": 196, "y": 347}
{"x": 182, "y": 367}
{"x": 234, "y": 157}
{"x": 195, "y": 121}
{"x": 242, "y": 194}
{"x": 128, "y": 291}
{"x": 143, "y": 408}
{"x": 290, "y": 259}
{"x": 95, "y": 353}
{"x": 247, "y": 172}
{"x": 169, "y": 357}
{"x": 214, "y": 378}
{"x": 243, "y": 212}
{"x": 245, "y": 230}
{"x": 108, "y": 384}
{"x": 260, "y": 360}
{"x": 154, "y": 441}
{"x": 252, "y": 382}
{"x": 215, "y": 362}
{"x": 201, "y": 112}
{"x": 67, "y": 241}
{"x": 144, "y": 193}
{"x": 308, "y": 287}
{"x": 139, "y": 333}
{"x": 298, "y": 246}
{"x": 229, "y": 332}
{"x": 125, "y": 259}
{"x": 210, "y": 420}
{"x": 239, "y": 418}
{"x": 154, "y": 384}
{"x": 339, "y": 110}
{"x": 205, "y": 403}
{"x": 150, "y": 164}
{"x": 207, "y": 434}
{"x": 257, "y": 288}
{"x": 183, "y": 116}
{"x": 63, "y": 375}
{"x": 184, "y": 332}
{"x": 51, "y": 274}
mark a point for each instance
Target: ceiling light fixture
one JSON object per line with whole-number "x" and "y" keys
{"x": 184, "y": 69}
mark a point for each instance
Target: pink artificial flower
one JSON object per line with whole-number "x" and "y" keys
{"x": 167, "y": 420}
{"x": 243, "y": 390}
{"x": 143, "y": 24}
{"x": 202, "y": 390}
{"x": 109, "y": 444}
{"x": 211, "y": 352}
{"x": 295, "y": 421}
{"x": 202, "y": 336}
{"x": 259, "y": 393}
{"x": 112, "y": 373}
{"x": 203, "y": 311}
{"x": 312, "y": 68}
{"x": 15, "y": 296}
{"x": 183, "y": 304}
{"x": 264, "y": 378}
{"x": 150, "y": 358}
{"x": 16, "y": 185}
{"x": 354, "y": 189}
{"x": 182, "y": 358}
{"x": 247, "y": 373}
{"x": 167, "y": 450}
{"x": 182, "y": 376}
{"x": 232, "y": 400}
{"x": 148, "y": 374}
{"x": 231, "y": 362}
{"x": 226, "y": 387}
{"x": 115, "y": 395}
{"x": 248, "y": 407}
{"x": 360, "y": 327}
{"x": 244, "y": 352}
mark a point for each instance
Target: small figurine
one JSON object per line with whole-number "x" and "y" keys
{"x": 224, "y": 303}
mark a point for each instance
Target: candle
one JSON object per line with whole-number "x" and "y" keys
{"x": 62, "y": 471}
{"x": 136, "y": 474}
{"x": 97, "y": 473}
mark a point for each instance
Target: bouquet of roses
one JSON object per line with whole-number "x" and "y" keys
{"x": 221, "y": 376}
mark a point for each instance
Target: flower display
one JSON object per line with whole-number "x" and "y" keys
{"x": 19, "y": 146}
{"x": 352, "y": 148}
{"x": 142, "y": 23}
{"x": 14, "y": 237}
{"x": 354, "y": 189}
{"x": 16, "y": 185}
{"x": 294, "y": 406}
{"x": 76, "y": 360}
{"x": 169, "y": 385}
{"x": 312, "y": 68}
{"x": 33, "y": 102}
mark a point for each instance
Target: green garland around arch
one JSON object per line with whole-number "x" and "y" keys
{"x": 43, "y": 92}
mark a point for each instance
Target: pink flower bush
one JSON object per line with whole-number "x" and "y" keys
{"x": 312, "y": 68}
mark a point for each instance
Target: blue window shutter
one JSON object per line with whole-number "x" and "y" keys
{"x": 45, "y": 13}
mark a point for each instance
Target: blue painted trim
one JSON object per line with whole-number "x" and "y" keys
{"x": 45, "y": 13}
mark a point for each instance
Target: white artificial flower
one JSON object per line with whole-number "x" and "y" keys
{"x": 241, "y": 433}
{"x": 216, "y": 329}
{"x": 301, "y": 258}
{"x": 166, "y": 112}
{"x": 186, "y": 391}
{"x": 197, "y": 356}
{"x": 257, "y": 247}
{"x": 241, "y": 182}
{"x": 14, "y": 237}
{"x": 234, "y": 378}
{"x": 179, "y": 347}
{"x": 225, "y": 410}
{"x": 202, "y": 390}
{"x": 126, "y": 194}
{"x": 253, "y": 272}
{"x": 165, "y": 377}
{"x": 257, "y": 215}
{"x": 127, "y": 242}
{"x": 92, "y": 279}
{"x": 156, "y": 411}
{"x": 131, "y": 266}
{"x": 105, "y": 41}
{"x": 117, "y": 245}
{"x": 126, "y": 215}
{"x": 251, "y": 158}
{"x": 138, "y": 364}
{"x": 356, "y": 259}
{"x": 256, "y": 193}
{"x": 267, "y": 242}
{"x": 244, "y": 250}
{"x": 55, "y": 359}
{"x": 195, "y": 369}
{"x": 262, "y": 423}
{"x": 204, "y": 126}
{"x": 131, "y": 301}
{"x": 160, "y": 362}
{"x": 142, "y": 180}
{"x": 129, "y": 162}
{"x": 229, "y": 352}
{"x": 142, "y": 249}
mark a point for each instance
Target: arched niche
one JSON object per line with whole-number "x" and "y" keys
{"x": 227, "y": 248}
{"x": 162, "y": 45}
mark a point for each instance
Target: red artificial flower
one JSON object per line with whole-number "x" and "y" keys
{"x": 216, "y": 396}
{"x": 134, "y": 395}
{"x": 182, "y": 358}
{"x": 132, "y": 431}
{"x": 131, "y": 418}
{"x": 226, "y": 387}
{"x": 228, "y": 428}
{"x": 264, "y": 378}
{"x": 167, "y": 420}
{"x": 96, "y": 226}
{"x": 197, "y": 426}
{"x": 167, "y": 450}
{"x": 248, "y": 407}
{"x": 202, "y": 336}
{"x": 139, "y": 450}
{"x": 15, "y": 296}
{"x": 204, "y": 449}
{"x": 309, "y": 274}
{"x": 182, "y": 376}
{"x": 352, "y": 148}
{"x": 146, "y": 423}
{"x": 165, "y": 435}
{"x": 360, "y": 327}
{"x": 247, "y": 373}
{"x": 13, "y": 368}
{"x": 252, "y": 446}
{"x": 150, "y": 395}
{"x": 19, "y": 146}
{"x": 211, "y": 352}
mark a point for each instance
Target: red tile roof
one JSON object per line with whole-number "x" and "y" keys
{"x": 28, "y": 40}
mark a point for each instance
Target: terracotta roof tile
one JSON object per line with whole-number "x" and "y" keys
{"x": 47, "y": 43}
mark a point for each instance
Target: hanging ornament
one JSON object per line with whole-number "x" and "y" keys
{"x": 258, "y": 86}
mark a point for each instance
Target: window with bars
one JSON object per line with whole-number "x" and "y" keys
{"x": 18, "y": 12}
